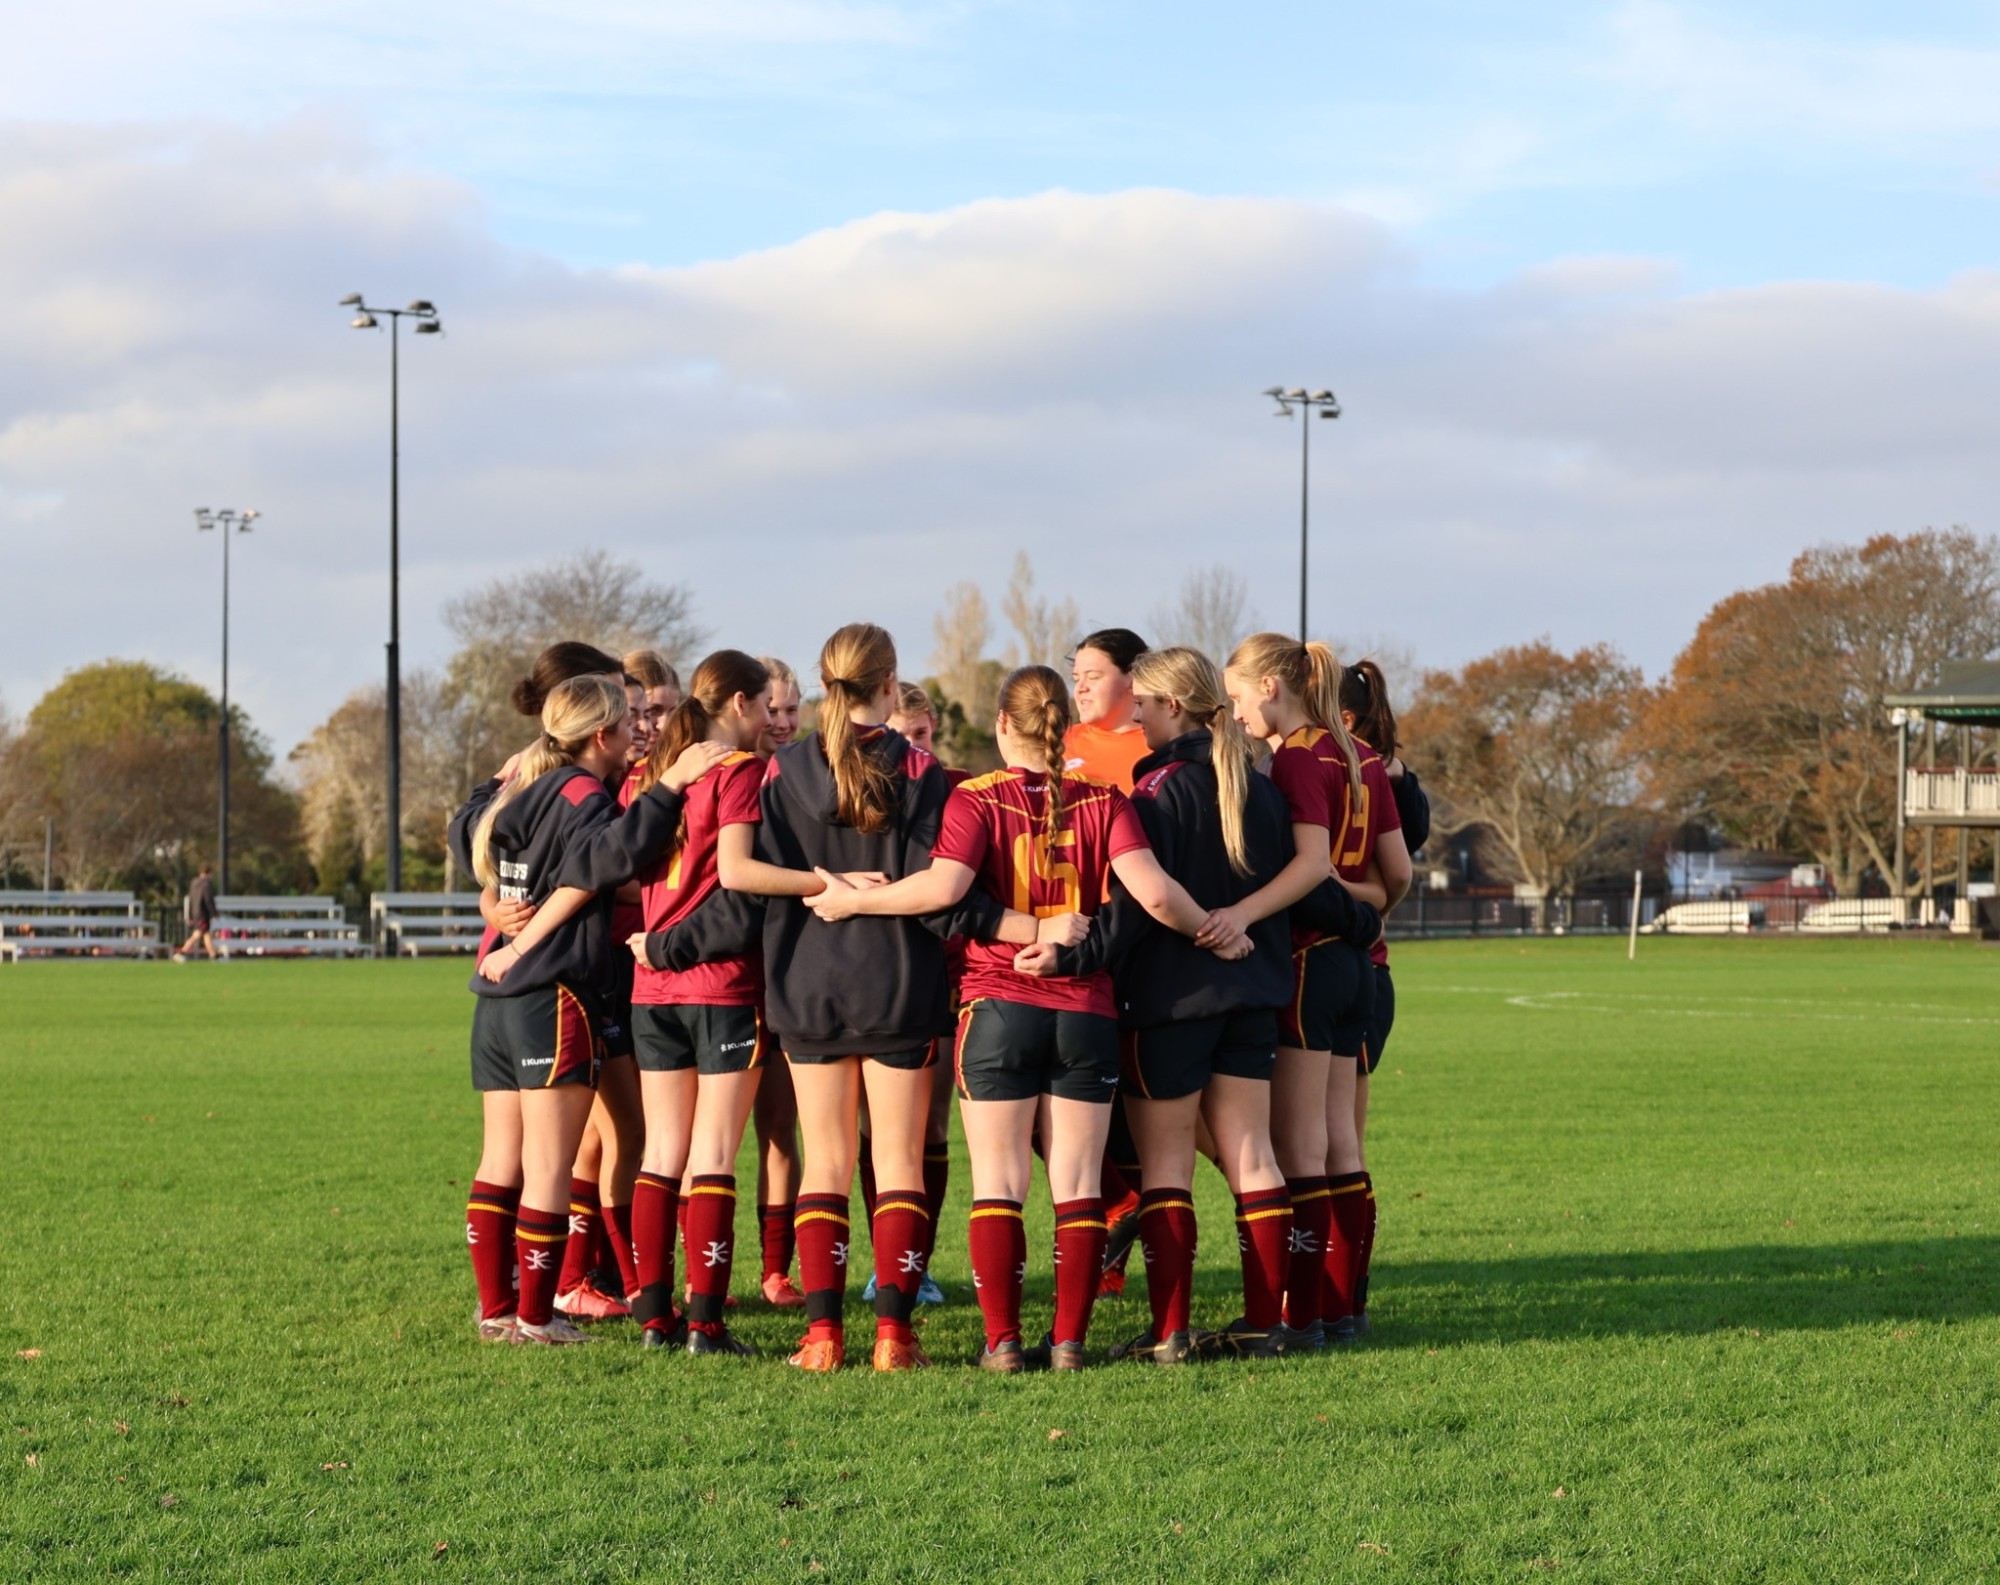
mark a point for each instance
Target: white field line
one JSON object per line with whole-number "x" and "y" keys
{"x": 1747, "y": 1008}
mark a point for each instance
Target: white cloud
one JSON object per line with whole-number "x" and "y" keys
{"x": 843, "y": 426}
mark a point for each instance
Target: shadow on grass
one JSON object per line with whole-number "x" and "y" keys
{"x": 1762, "y": 1286}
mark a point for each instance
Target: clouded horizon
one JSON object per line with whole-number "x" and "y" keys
{"x": 1563, "y": 415}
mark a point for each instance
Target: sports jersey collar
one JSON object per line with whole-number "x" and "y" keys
{"x": 1304, "y": 737}
{"x": 1196, "y": 747}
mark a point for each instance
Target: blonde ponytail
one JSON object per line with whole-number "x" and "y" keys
{"x": 855, "y": 665}
{"x": 1035, "y": 701}
{"x": 1190, "y": 677}
{"x": 573, "y": 713}
{"x": 1312, "y": 675}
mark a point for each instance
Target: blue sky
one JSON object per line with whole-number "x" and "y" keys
{"x": 1627, "y": 303}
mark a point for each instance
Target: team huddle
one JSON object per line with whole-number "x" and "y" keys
{"x": 1132, "y": 945}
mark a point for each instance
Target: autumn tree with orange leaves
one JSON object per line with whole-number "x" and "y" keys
{"x": 1534, "y": 745}
{"x": 1771, "y": 725}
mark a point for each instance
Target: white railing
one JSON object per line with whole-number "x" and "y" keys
{"x": 1960, "y": 792}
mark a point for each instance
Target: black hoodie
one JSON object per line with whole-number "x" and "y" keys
{"x": 1161, "y": 976}
{"x": 565, "y": 829}
{"x": 865, "y": 986}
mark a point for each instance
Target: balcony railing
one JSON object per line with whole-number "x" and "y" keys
{"x": 1947, "y": 794}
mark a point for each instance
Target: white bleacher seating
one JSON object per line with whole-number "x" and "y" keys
{"x": 285, "y": 927}
{"x": 1847, "y": 915}
{"x": 87, "y": 924}
{"x": 1708, "y": 919}
{"x": 411, "y": 923}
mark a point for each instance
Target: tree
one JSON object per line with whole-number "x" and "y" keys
{"x": 967, "y": 682}
{"x": 503, "y": 625}
{"x": 1211, "y": 614}
{"x": 1535, "y": 746}
{"x": 1043, "y": 629}
{"x": 342, "y": 772}
{"x": 123, "y": 756}
{"x": 1771, "y": 724}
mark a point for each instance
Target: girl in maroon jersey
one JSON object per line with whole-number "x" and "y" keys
{"x": 1285, "y": 692}
{"x": 1365, "y": 712}
{"x": 699, "y": 1031}
{"x": 547, "y": 832}
{"x": 1042, "y": 842}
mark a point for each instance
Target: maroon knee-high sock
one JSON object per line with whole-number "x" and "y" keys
{"x": 1167, "y": 1237}
{"x": 1348, "y": 1194}
{"x": 1365, "y": 1252}
{"x": 1312, "y": 1213}
{"x": 711, "y": 1237}
{"x": 578, "y": 1252}
{"x": 1263, "y": 1241}
{"x": 655, "y": 1200}
{"x": 1079, "y": 1262}
{"x": 999, "y": 1245}
{"x": 901, "y": 1232}
{"x": 681, "y": 1222}
{"x": 822, "y": 1237}
{"x": 489, "y": 1236}
{"x": 775, "y": 1225}
{"x": 539, "y": 1237}
{"x": 616, "y": 1222}
{"x": 937, "y": 1178}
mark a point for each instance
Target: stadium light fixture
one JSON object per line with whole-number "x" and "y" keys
{"x": 231, "y": 522}
{"x": 1326, "y": 405}
{"x": 424, "y": 317}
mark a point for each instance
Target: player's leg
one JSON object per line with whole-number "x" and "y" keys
{"x": 621, "y": 1131}
{"x": 722, "y": 1108}
{"x": 1237, "y": 1107}
{"x": 1164, "y": 1070}
{"x": 996, "y": 1145}
{"x": 999, "y": 1093}
{"x": 898, "y": 1088}
{"x": 1163, "y": 1131}
{"x": 829, "y": 1093}
{"x": 1346, "y": 1182}
{"x": 776, "y": 1115}
{"x": 667, "y": 1083}
{"x": 490, "y": 1211}
{"x": 580, "y": 1254}
{"x": 937, "y": 1165}
{"x": 552, "y": 1121}
{"x": 1078, "y": 1083}
{"x": 1380, "y": 1027}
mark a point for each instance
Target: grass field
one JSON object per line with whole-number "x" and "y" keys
{"x": 1685, "y": 1271}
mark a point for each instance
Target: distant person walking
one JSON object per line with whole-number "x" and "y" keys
{"x": 200, "y": 916}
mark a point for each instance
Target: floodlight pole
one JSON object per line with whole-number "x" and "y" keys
{"x": 1327, "y": 406}
{"x": 231, "y": 522}
{"x": 426, "y": 317}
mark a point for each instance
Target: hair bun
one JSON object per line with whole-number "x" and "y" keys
{"x": 526, "y": 697}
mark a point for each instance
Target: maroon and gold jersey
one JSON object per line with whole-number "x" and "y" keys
{"x": 1375, "y": 813}
{"x": 994, "y": 825}
{"x": 1311, "y": 772}
{"x": 726, "y": 796}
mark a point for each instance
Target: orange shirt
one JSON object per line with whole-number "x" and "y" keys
{"x": 1104, "y": 754}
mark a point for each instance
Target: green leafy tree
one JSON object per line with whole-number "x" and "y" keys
{"x": 122, "y": 754}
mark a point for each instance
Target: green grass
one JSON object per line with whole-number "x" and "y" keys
{"x": 1685, "y": 1271}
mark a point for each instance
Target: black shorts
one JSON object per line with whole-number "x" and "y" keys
{"x": 534, "y": 1041}
{"x": 672, "y": 1037}
{"x": 1009, "y": 1051}
{"x": 1383, "y": 1019}
{"x": 1169, "y": 1061}
{"x": 909, "y": 1061}
{"x": 1333, "y": 997}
